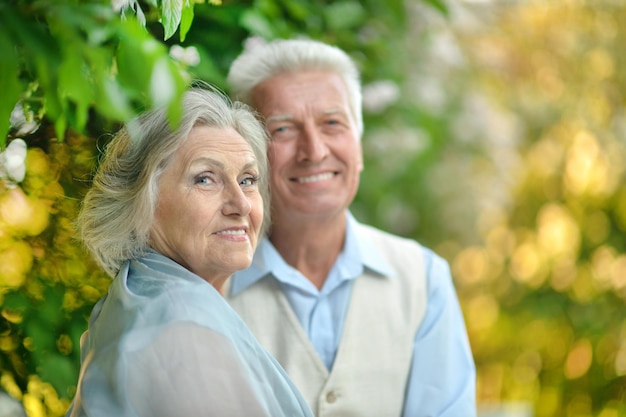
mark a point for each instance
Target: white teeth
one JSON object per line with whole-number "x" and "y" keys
{"x": 319, "y": 177}
{"x": 232, "y": 232}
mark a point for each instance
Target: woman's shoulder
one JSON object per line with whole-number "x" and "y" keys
{"x": 164, "y": 291}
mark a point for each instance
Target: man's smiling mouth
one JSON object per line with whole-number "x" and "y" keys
{"x": 314, "y": 178}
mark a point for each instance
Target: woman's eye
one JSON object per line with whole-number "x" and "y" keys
{"x": 249, "y": 181}
{"x": 203, "y": 179}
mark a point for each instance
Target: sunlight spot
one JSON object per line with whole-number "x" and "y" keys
{"x": 483, "y": 311}
{"x": 557, "y": 231}
{"x": 471, "y": 265}
{"x": 526, "y": 264}
{"x": 618, "y": 272}
{"x": 579, "y": 359}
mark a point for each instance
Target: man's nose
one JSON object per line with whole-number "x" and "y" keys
{"x": 312, "y": 146}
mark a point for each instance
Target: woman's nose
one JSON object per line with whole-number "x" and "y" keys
{"x": 235, "y": 201}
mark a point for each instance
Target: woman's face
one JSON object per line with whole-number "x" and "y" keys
{"x": 209, "y": 209}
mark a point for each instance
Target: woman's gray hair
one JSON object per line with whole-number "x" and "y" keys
{"x": 260, "y": 62}
{"x": 117, "y": 213}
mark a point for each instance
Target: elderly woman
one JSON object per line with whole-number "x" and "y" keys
{"x": 171, "y": 215}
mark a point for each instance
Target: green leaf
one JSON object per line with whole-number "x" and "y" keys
{"x": 208, "y": 70}
{"x": 185, "y": 22}
{"x": 134, "y": 65}
{"x": 60, "y": 124}
{"x": 166, "y": 88}
{"x": 74, "y": 83}
{"x": 440, "y": 5}
{"x": 60, "y": 370}
{"x": 344, "y": 15}
{"x": 257, "y": 24}
{"x": 50, "y": 309}
{"x": 162, "y": 83}
{"x": 171, "y": 14}
{"x": 9, "y": 86}
{"x": 112, "y": 101}
{"x": 136, "y": 56}
{"x": 16, "y": 300}
{"x": 49, "y": 84}
{"x": 299, "y": 10}
{"x": 43, "y": 340}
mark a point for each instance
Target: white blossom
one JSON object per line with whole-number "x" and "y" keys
{"x": 120, "y": 6}
{"x": 23, "y": 123}
{"x": 13, "y": 161}
{"x": 379, "y": 95}
{"x": 188, "y": 56}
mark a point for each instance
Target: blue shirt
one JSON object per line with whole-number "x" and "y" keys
{"x": 431, "y": 389}
{"x": 163, "y": 342}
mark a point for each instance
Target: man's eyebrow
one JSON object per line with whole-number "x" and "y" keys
{"x": 279, "y": 118}
{"x": 334, "y": 111}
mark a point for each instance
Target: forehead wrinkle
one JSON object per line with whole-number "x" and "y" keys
{"x": 214, "y": 162}
{"x": 290, "y": 117}
{"x": 251, "y": 164}
{"x": 207, "y": 160}
{"x": 334, "y": 111}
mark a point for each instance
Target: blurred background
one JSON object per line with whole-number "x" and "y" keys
{"x": 495, "y": 134}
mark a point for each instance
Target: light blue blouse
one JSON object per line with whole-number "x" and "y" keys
{"x": 164, "y": 342}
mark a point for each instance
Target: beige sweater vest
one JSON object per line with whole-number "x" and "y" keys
{"x": 371, "y": 368}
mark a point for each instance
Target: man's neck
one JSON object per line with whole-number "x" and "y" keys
{"x": 312, "y": 247}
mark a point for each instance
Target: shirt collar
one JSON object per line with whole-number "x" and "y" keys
{"x": 264, "y": 255}
{"x": 358, "y": 251}
{"x": 365, "y": 250}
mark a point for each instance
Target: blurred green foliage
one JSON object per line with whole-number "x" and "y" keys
{"x": 541, "y": 270}
{"x": 82, "y": 67}
{"x": 69, "y": 57}
{"x": 500, "y": 144}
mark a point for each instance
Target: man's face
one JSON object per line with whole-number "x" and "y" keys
{"x": 315, "y": 152}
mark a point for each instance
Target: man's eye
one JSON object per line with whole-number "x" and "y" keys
{"x": 283, "y": 133}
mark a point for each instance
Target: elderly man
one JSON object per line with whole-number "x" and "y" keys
{"x": 364, "y": 322}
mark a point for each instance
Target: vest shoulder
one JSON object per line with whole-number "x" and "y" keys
{"x": 383, "y": 239}
{"x": 405, "y": 256}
